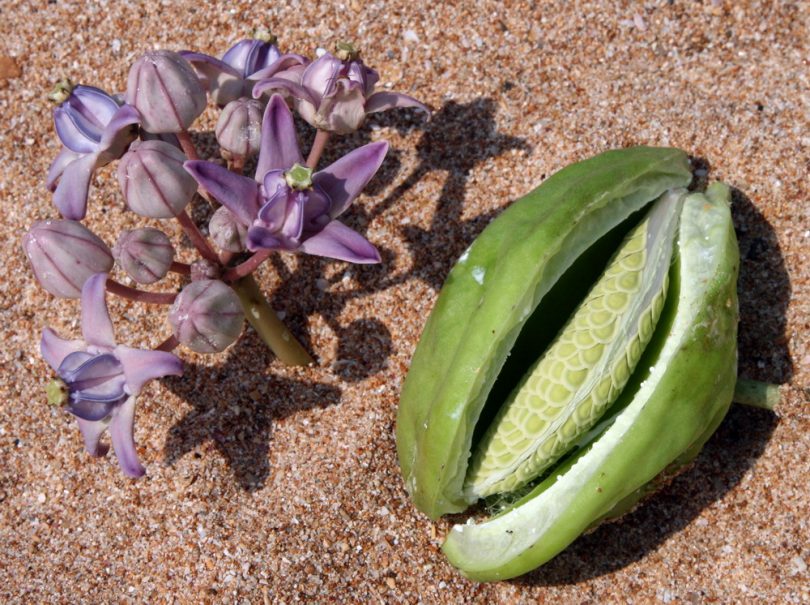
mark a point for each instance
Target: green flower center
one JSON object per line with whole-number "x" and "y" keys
{"x": 299, "y": 177}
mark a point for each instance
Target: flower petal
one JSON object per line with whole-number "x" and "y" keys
{"x": 118, "y": 134}
{"x": 91, "y": 432}
{"x": 224, "y": 83}
{"x": 321, "y": 75}
{"x": 54, "y": 348}
{"x": 65, "y": 157}
{"x": 261, "y": 238}
{"x": 70, "y": 197}
{"x": 122, "y": 427}
{"x": 284, "y": 85}
{"x": 279, "y": 145}
{"x": 283, "y": 63}
{"x": 336, "y": 240}
{"x": 97, "y": 328}
{"x": 237, "y": 193}
{"x": 343, "y": 180}
{"x": 143, "y": 365}
{"x": 381, "y": 101}
{"x": 344, "y": 110}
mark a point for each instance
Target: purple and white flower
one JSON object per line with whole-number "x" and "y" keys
{"x": 334, "y": 93}
{"x": 95, "y": 129}
{"x": 287, "y": 207}
{"x": 248, "y": 61}
{"x": 99, "y": 380}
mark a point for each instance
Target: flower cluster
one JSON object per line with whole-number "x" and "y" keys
{"x": 288, "y": 204}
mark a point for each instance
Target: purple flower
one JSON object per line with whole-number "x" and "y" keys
{"x": 241, "y": 66}
{"x": 95, "y": 130}
{"x": 99, "y": 379}
{"x": 287, "y": 207}
{"x": 335, "y": 93}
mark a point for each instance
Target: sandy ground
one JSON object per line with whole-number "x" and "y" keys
{"x": 280, "y": 485}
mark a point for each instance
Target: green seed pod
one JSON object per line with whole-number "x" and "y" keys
{"x": 671, "y": 408}
{"x": 591, "y": 452}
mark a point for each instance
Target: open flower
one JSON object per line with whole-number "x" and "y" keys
{"x": 287, "y": 207}
{"x": 99, "y": 379}
{"x": 95, "y": 129}
{"x": 334, "y": 93}
{"x": 241, "y": 66}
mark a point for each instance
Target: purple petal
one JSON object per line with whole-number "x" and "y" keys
{"x": 97, "y": 328}
{"x": 336, "y": 240}
{"x": 279, "y": 146}
{"x": 282, "y": 84}
{"x": 54, "y": 348}
{"x": 70, "y": 197}
{"x": 99, "y": 378}
{"x": 284, "y": 62}
{"x": 91, "y": 431}
{"x": 81, "y": 119}
{"x": 118, "y": 134}
{"x": 381, "y": 101}
{"x": 249, "y": 56}
{"x": 261, "y": 238}
{"x": 143, "y": 365}
{"x": 65, "y": 157}
{"x": 274, "y": 211}
{"x": 321, "y": 75}
{"x": 224, "y": 83}
{"x": 121, "y": 435}
{"x": 366, "y": 76}
{"x": 344, "y": 110}
{"x": 237, "y": 193}
{"x": 343, "y": 180}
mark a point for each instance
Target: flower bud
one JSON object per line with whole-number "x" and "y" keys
{"x": 153, "y": 179}
{"x": 239, "y": 127}
{"x": 166, "y": 91}
{"x": 64, "y": 254}
{"x": 145, "y": 254}
{"x": 227, "y": 231}
{"x": 206, "y": 316}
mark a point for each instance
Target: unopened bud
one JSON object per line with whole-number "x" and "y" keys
{"x": 227, "y": 231}
{"x": 153, "y": 179}
{"x": 166, "y": 91}
{"x": 206, "y": 316}
{"x": 239, "y": 128}
{"x": 64, "y": 254}
{"x": 145, "y": 254}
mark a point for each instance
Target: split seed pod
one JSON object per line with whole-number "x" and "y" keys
{"x": 589, "y": 432}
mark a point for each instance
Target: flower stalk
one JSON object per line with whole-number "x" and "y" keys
{"x": 267, "y": 324}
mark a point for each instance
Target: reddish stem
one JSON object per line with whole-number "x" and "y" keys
{"x": 246, "y": 268}
{"x": 168, "y": 345}
{"x": 187, "y": 145}
{"x": 318, "y": 145}
{"x": 237, "y": 164}
{"x": 119, "y": 289}
{"x": 181, "y": 268}
{"x": 197, "y": 238}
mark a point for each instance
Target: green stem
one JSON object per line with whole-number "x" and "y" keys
{"x": 267, "y": 324}
{"x": 756, "y": 394}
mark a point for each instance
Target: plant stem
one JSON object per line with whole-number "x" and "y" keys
{"x": 168, "y": 345}
{"x": 756, "y": 394}
{"x": 267, "y": 324}
{"x": 187, "y": 145}
{"x": 246, "y": 268}
{"x": 119, "y": 289}
{"x": 318, "y": 145}
{"x": 237, "y": 164}
{"x": 181, "y": 268}
{"x": 197, "y": 238}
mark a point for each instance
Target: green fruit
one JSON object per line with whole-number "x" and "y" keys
{"x": 585, "y": 456}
